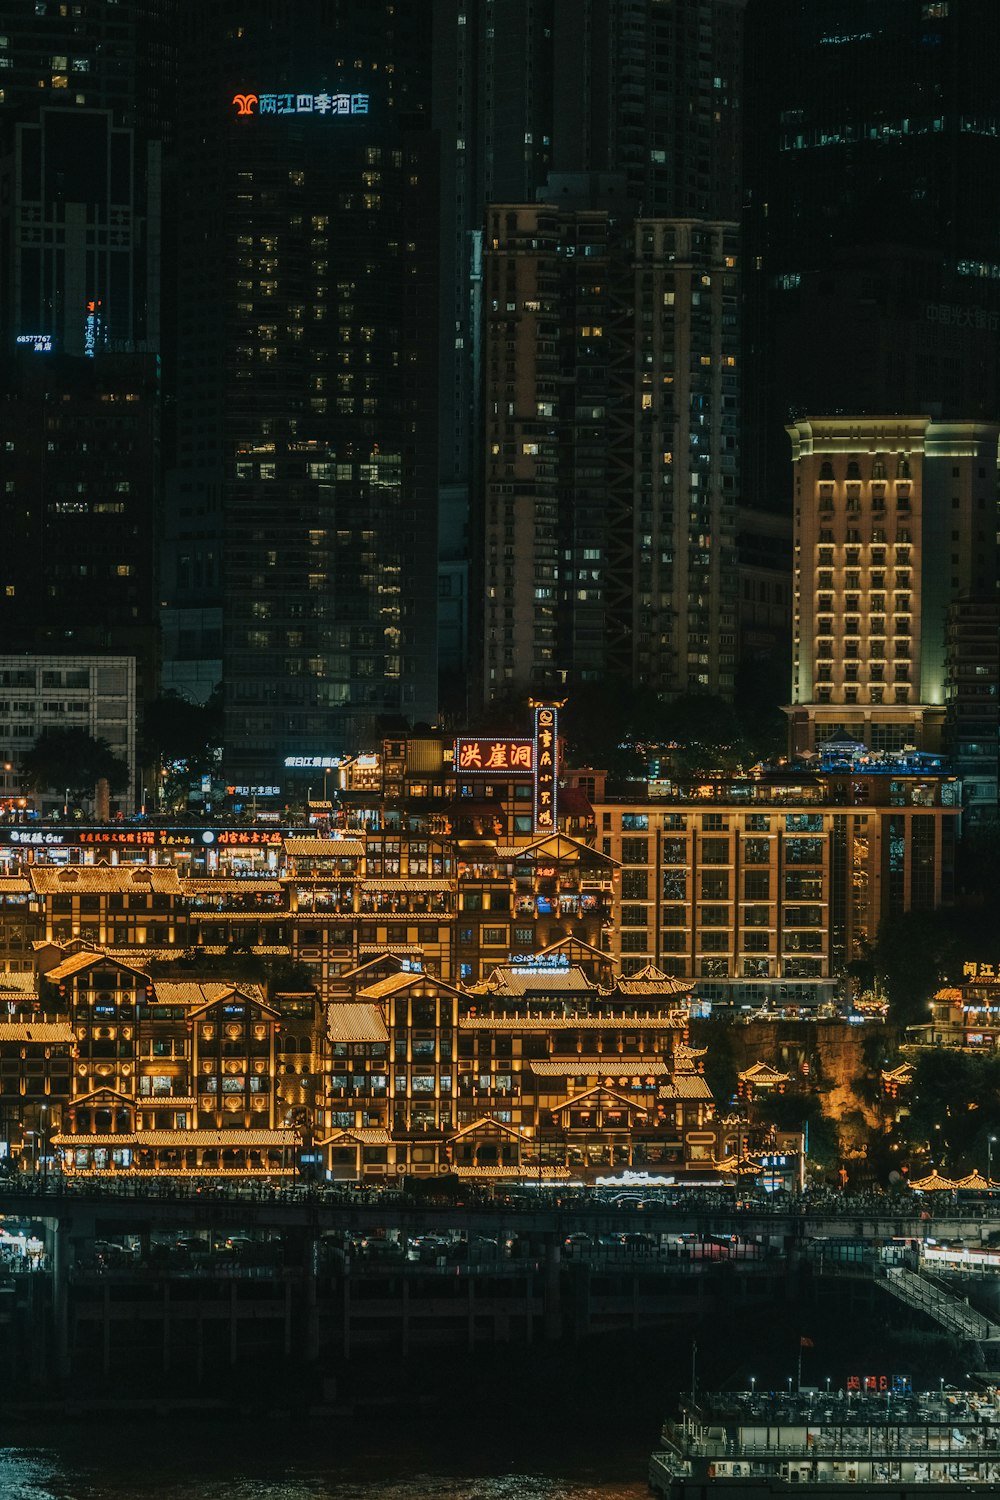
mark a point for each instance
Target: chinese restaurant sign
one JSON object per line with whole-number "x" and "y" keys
{"x": 334, "y": 105}
{"x": 546, "y": 743}
{"x": 509, "y": 757}
{"x": 981, "y": 973}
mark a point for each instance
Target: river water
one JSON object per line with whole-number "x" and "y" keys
{"x": 201, "y": 1463}
{"x": 530, "y": 1423}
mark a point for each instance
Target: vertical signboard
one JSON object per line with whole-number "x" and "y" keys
{"x": 546, "y": 754}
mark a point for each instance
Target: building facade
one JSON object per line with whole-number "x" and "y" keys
{"x": 612, "y": 439}
{"x": 94, "y": 693}
{"x": 895, "y": 519}
{"x": 301, "y": 556}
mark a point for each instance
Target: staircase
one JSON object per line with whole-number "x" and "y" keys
{"x": 953, "y": 1313}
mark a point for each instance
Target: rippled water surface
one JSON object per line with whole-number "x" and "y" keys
{"x": 205, "y": 1463}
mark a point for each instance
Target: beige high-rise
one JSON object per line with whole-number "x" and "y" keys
{"x": 895, "y": 519}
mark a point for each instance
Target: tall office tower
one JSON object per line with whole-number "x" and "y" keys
{"x": 631, "y": 106}
{"x": 80, "y": 214}
{"x": 612, "y": 405}
{"x": 872, "y": 135}
{"x": 302, "y": 513}
{"x": 895, "y": 521}
{"x": 972, "y": 702}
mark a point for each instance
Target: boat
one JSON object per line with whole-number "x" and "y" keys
{"x": 890, "y": 1443}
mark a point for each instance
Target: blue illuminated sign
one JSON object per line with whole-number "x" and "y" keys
{"x": 39, "y": 343}
{"x": 333, "y": 105}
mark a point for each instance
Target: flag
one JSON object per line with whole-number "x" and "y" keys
{"x": 805, "y": 1343}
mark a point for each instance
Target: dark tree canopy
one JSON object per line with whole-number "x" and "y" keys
{"x": 74, "y": 760}
{"x": 175, "y": 729}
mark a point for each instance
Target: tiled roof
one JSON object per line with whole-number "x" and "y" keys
{"x": 35, "y": 1031}
{"x": 223, "y": 886}
{"x": 521, "y": 982}
{"x": 390, "y": 948}
{"x": 116, "y": 878}
{"x": 652, "y": 981}
{"x": 217, "y": 1138}
{"x": 347, "y": 1022}
{"x": 87, "y": 958}
{"x": 568, "y": 1023}
{"x": 194, "y": 992}
{"x": 379, "y": 988}
{"x": 325, "y": 848}
{"x": 603, "y": 1067}
{"x": 762, "y": 1072}
{"x": 414, "y": 884}
{"x": 13, "y": 885}
{"x": 25, "y": 984}
{"x": 685, "y": 1086}
{"x": 368, "y": 1135}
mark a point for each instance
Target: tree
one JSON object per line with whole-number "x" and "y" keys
{"x": 176, "y": 730}
{"x": 916, "y": 952}
{"x": 72, "y": 760}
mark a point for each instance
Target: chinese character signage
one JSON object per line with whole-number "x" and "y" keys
{"x": 503, "y": 757}
{"x": 981, "y": 973}
{"x": 331, "y": 106}
{"x": 546, "y": 747}
{"x": 899, "y": 1385}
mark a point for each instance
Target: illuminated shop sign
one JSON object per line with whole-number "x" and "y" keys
{"x": 538, "y": 963}
{"x": 39, "y": 343}
{"x": 546, "y": 742}
{"x": 333, "y": 106}
{"x": 503, "y": 756}
{"x": 253, "y": 791}
{"x": 92, "y": 327}
{"x": 146, "y": 838}
{"x": 313, "y": 762}
{"x": 981, "y": 973}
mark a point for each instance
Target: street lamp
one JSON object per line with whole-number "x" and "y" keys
{"x": 989, "y": 1158}
{"x": 753, "y": 1384}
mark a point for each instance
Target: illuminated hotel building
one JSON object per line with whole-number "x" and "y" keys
{"x": 895, "y": 520}
{"x": 301, "y": 561}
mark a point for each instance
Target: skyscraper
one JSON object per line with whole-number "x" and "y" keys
{"x": 302, "y": 513}
{"x": 81, "y": 93}
{"x": 611, "y": 390}
{"x": 630, "y": 108}
{"x": 873, "y": 279}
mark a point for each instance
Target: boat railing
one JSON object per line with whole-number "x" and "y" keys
{"x": 841, "y": 1447}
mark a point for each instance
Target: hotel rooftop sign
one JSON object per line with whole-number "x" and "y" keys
{"x": 331, "y": 106}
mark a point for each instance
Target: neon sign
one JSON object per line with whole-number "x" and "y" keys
{"x": 547, "y": 742}
{"x": 40, "y": 343}
{"x": 505, "y": 756}
{"x": 334, "y": 105}
{"x": 91, "y": 328}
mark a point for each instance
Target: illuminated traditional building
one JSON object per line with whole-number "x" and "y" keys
{"x": 895, "y": 520}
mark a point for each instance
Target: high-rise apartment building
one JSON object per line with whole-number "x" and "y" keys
{"x": 611, "y": 392}
{"x": 895, "y": 521}
{"x": 301, "y": 563}
{"x": 630, "y": 107}
{"x": 82, "y": 93}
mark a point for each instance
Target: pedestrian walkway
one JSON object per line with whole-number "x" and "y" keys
{"x": 953, "y": 1313}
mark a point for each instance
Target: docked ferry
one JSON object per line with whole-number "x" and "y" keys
{"x": 897, "y": 1444}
